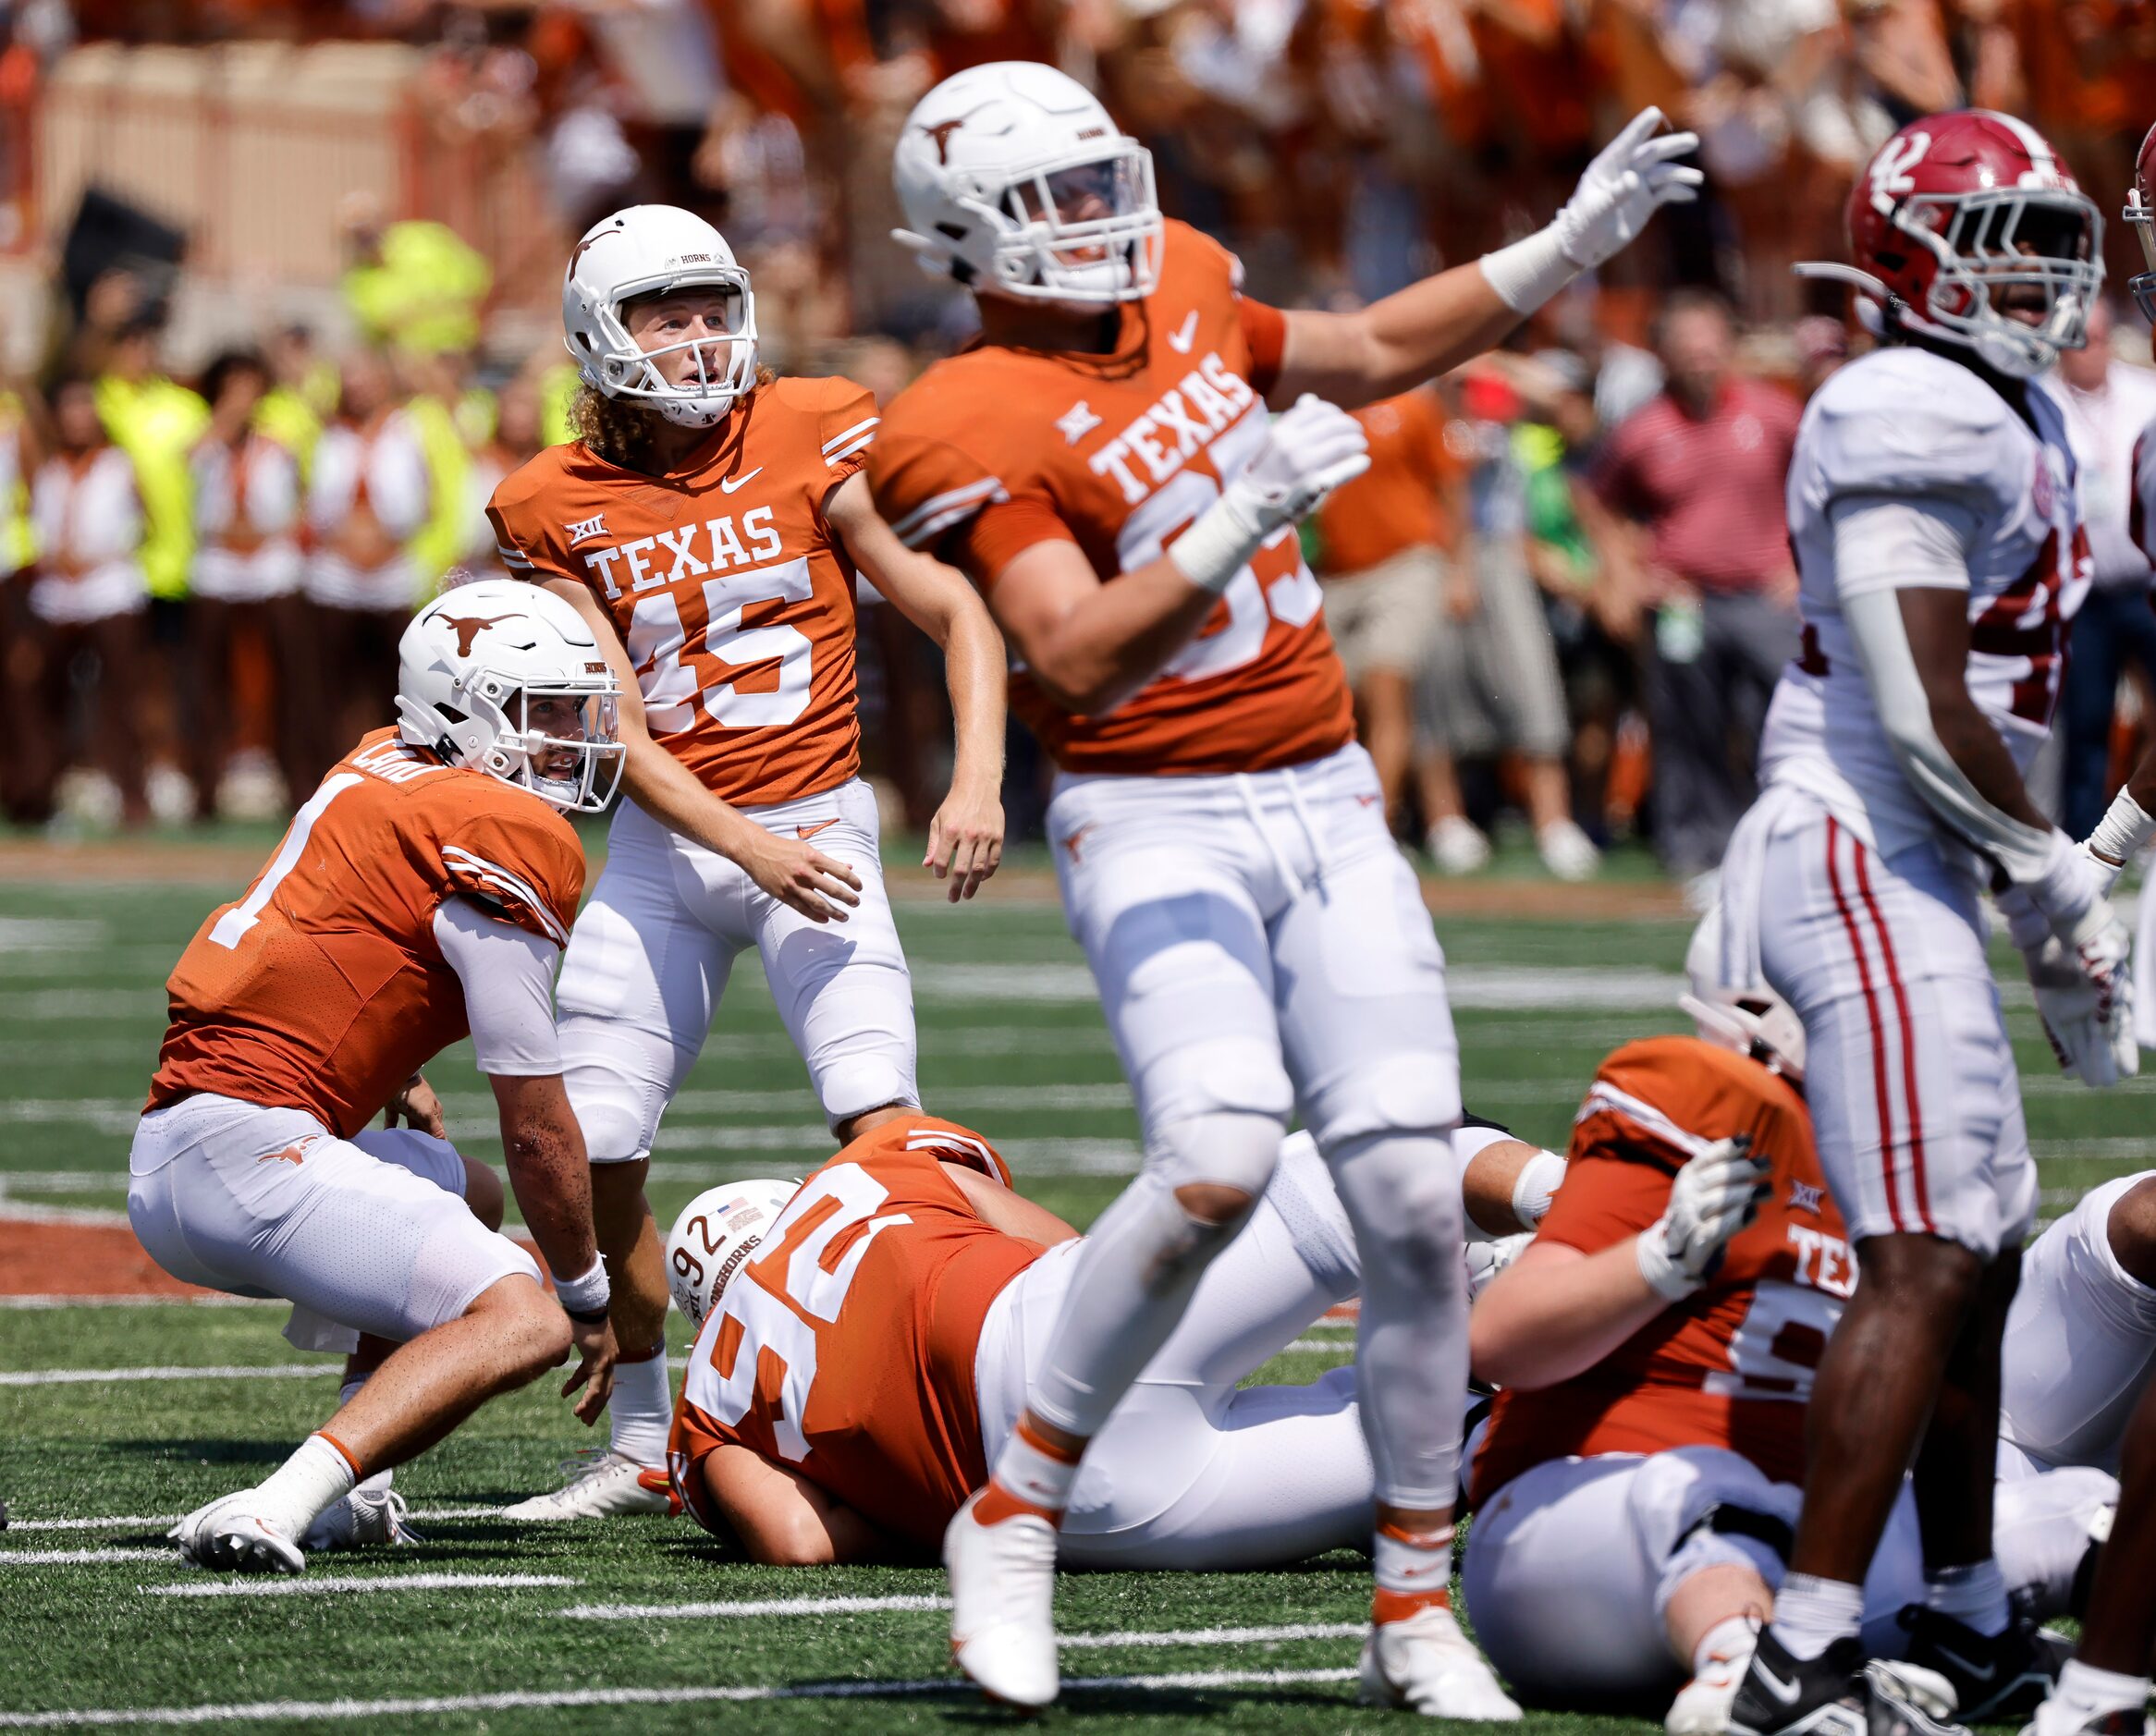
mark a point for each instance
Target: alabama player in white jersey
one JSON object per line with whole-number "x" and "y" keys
{"x": 1102, "y": 467}
{"x": 1931, "y": 505}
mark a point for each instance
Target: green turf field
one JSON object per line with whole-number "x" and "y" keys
{"x": 645, "y": 1625}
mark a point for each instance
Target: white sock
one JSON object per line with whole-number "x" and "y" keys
{"x": 1036, "y": 1475}
{"x": 642, "y": 1410}
{"x": 316, "y": 1476}
{"x": 1810, "y": 1614}
{"x": 1975, "y": 1594}
{"x": 2090, "y": 1693}
{"x": 1733, "y": 1636}
{"x": 1412, "y": 1566}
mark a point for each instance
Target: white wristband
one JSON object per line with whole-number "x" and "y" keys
{"x": 2123, "y": 830}
{"x": 587, "y": 1295}
{"x": 1528, "y": 272}
{"x": 1219, "y": 543}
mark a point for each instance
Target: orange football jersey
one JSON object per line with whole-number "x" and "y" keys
{"x": 1731, "y": 1365}
{"x": 846, "y": 1347}
{"x": 732, "y": 595}
{"x": 323, "y": 988}
{"x": 997, "y": 449}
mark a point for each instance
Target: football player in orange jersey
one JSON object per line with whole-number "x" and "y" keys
{"x": 1102, "y": 465}
{"x": 709, "y": 524}
{"x": 867, "y": 1338}
{"x": 1654, "y": 1349}
{"x": 420, "y": 895}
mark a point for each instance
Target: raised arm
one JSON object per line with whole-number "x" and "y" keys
{"x": 1434, "y": 326}
{"x": 783, "y": 1520}
{"x": 965, "y": 837}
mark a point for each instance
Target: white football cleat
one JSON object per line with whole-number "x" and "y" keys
{"x": 602, "y": 1484}
{"x": 1002, "y": 1605}
{"x": 1702, "y": 1706}
{"x": 1456, "y": 847}
{"x": 227, "y": 1537}
{"x": 1568, "y": 852}
{"x": 361, "y": 1519}
{"x": 1425, "y": 1664}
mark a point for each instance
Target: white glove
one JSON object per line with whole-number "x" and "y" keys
{"x": 1486, "y": 1259}
{"x": 1715, "y": 1195}
{"x": 2091, "y": 1027}
{"x": 1309, "y": 452}
{"x": 1633, "y": 178}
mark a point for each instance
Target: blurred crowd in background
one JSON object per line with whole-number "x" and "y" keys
{"x": 1563, "y": 591}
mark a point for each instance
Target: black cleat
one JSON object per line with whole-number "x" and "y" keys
{"x": 1994, "y": 1675}
{"x": 1837, "y": 1693}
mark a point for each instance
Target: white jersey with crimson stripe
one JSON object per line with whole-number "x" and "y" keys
{"x": 1908, "y": 426}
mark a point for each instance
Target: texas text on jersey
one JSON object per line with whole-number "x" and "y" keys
{"x": 847, "y": 1346}
{"x": 323, "y": 988}
{"x": 1731, "y": 1365}
{"x": 997, "y": 449}
{"x": 733, "y": 596}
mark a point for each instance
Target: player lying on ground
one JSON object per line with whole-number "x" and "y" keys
{"x": 1636, "y": 1490}
{"x": 1932, "y": 508}
{"x": 867, "y": 1342}
{"x": 1102, "y": 465}
{"x": 423, "y": 892}
{"x": 709, "y": 524}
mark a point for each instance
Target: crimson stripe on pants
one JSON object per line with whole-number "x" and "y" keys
{"x": 1886, "y": 954}
{"x": 1878, "y": 1059}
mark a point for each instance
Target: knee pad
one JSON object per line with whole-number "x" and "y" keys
{"x": 612, "y": 1111}
{"x": 1224, "y": 1150}
{"x": 861, "y": 1083}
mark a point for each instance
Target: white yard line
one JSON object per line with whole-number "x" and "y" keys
{"x": 749, "y": 1609}
{"x": 312, "y": 1584}
{"x": 93, "y": 1376}
{"x": 117, "y": 1522}
{"x": 1214, "y": 1636}
{"x": 272, "y": 1711}
{"x": 139, "y": 1555}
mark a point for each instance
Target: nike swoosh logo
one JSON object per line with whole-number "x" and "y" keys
{"x": 733, "y": 483}
{"x": 1969, "y": 1670}
{"x": 1184, "y": 335}
{"x": 1785, "y": 1692}
{"x": 810, "y": 831}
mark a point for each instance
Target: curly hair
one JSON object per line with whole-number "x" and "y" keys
{"x": 619, "y": 430}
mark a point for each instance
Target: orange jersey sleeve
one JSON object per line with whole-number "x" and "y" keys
{"x": 322, "y": 987}
{"x": 729, "y": 589}
{"x": 1731, "y": 1365}
{"x": 845, "y": 1347}
{"x": 995, "y": 450}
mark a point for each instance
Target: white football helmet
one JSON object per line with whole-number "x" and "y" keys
{"x": 480, "y": 651}
{"x": 714, "y": 1234}
{"x": 1015, "y": 181}
{"x": 1754, "y": 1020}
{"x": 644, "y": 251}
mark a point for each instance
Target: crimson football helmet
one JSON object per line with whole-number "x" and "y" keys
{"x": 2141, "y": 214}
{"x": 1967, "y": 227}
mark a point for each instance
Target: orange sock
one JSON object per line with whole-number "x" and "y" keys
{"x": 1414, "y": 1570}
{"x": 1032, "y": 1475}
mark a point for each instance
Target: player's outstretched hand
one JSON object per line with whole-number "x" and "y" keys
{"x": 965, "y": 841}
{"x": 1714, "y": 1196}
{"x": 592, "y": 1343}
{"x": 1311, "y": 449}
{"x": 2067, "y": 997}
{"x": 1633, "y": 178}
{"x": 418, "y": 1108}
{"x": 800, "y": 876}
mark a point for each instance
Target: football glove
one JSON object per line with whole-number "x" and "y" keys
{"x": 1714, "y": 1196}
{"x": 1634, "y": 176}
{"x": 2082, "y": 969}
{"x": 1310, "y": 450}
